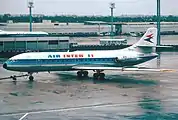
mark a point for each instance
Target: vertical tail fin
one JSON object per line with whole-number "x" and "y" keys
{"x": 149, "y": 39}
{"x": 148, "y": 42}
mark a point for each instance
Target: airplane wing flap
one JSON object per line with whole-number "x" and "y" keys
{"x": 96, "y": 68}
{"x": 122, "y": 69}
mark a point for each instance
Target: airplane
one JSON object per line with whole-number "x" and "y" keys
{"x": 21, "y": 33}
{"x": 83, "y": 61}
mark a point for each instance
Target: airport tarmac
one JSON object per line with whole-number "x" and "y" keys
{"x": 125, "y": 95}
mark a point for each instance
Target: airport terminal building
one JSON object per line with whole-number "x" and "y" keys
{"x": 63, "y": 42}
{"x": 57, "y": 28}
{"x": 89, "y": 27}
{"x": 23, "y": 44}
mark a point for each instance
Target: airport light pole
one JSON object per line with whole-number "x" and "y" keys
{"x": 112, "y": 6}
{"x": 30, "y": 6}
{"x": 158, "y": 22}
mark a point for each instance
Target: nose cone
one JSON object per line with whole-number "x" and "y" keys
{"x": 5, "y": 65}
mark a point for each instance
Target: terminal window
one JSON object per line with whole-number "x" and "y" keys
{"x": 53, "y": 42}
{"x": 63, "y": 40}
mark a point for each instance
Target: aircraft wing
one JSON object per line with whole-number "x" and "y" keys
{"x": 122, "y": 69}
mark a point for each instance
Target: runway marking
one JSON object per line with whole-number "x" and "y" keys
{"x": 79, "y": 108}
{"x": 173, "y": 88}
{"x": 23, "y": 116}
{"x": 168, "y": 70}
{"x": 71, "y": 108}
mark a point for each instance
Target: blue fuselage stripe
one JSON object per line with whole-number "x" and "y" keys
{"x": 61, "y": 61}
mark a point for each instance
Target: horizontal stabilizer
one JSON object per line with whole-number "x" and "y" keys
{"x": 164, "y": 46}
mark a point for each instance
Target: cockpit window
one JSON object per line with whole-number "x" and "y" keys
{"x": 12, "y": 60}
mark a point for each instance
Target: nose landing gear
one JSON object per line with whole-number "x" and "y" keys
{"x": 14, "y": 78}
{"x": 31, "y": 78}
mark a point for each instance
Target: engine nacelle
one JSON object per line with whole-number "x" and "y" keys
{"x": 121, "y": 59}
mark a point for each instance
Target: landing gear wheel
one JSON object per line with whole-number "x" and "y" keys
{"x": 98, "y": 76}
{"x": 14, "y": 78}
{"x": 102, "y": 76}
{"x": 85, "y": 74}
{"x": 31, "y": 78}
{"x": 79, "y": 74}
{"x": 95, "y": 76}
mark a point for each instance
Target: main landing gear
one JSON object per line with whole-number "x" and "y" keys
{"x": 98, "y": 75}
{"x": 82, "y": 74}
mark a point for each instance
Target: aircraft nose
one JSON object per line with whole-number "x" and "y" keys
{"x": 5, "y": 65}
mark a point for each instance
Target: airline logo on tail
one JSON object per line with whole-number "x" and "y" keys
{"x": 148, "y": 38}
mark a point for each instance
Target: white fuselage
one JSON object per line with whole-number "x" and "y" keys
{"x": 65, "y": 61}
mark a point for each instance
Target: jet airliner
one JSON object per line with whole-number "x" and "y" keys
{"x": 21, "y": 33}
{"x": 83, "y": 61}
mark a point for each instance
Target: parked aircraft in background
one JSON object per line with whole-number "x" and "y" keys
{"x": 21, "y": 34}
{"x": 83, "y": 61}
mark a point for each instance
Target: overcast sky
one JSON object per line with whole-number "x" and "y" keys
{"x": 89, "y": 7}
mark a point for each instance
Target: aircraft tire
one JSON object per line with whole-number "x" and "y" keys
{"x": 31, "y": 78}
{"x": 85, "y": 73}
{"x": 101, "y": 76}
{"x": 95, "y": 76}
{"x": 14, "y": 78}
{"x": 79, "y": 74}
